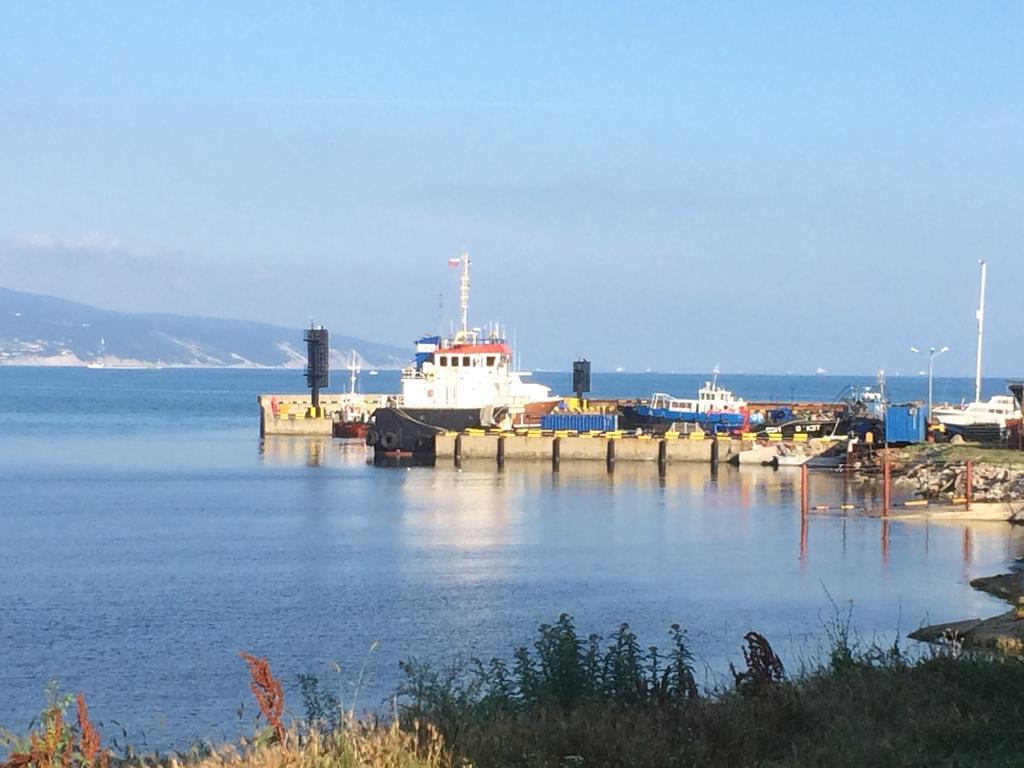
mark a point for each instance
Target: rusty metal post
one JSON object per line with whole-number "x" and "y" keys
{"x": 805, "y": 504}
{"x": 886, "y": 487}
{"x": 968, "y": 484}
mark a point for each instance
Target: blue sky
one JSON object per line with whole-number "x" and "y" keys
{"x": 768, "y": 187}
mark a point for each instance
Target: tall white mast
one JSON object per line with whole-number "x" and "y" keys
{"x": 464, "y": 293}
{"x": 981, "y": 333}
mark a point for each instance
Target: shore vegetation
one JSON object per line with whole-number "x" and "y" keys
{"x": 569, "y": 701}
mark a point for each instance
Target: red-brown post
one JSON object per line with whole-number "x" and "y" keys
{"x": 968, "y": 483}
{"x": 886, "y": 487}
{"x": 805, "y": 504}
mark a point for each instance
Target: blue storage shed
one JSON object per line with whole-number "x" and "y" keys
{"x": 905, "y": 423}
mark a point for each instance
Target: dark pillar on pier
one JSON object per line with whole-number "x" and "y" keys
{"x": 501, "y": 452}
{"x": 662, "y": 457}
{"x": 714, "y": 452}
{"x": 556, "y": 449}
{"x": 458, "y": 450}
{"x": 610, "y": 457}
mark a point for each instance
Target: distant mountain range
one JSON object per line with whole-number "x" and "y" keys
{"x": 43, "y": 330}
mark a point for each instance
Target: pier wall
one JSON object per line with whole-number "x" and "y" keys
{"x": 287, "y": 414}
{"x": 579, "y": 448}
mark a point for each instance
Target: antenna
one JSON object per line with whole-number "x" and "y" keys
{"x": 981, "y": 332}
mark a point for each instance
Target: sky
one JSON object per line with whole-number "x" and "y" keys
{"x": 766, "y": 187}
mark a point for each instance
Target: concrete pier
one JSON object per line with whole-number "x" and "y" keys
{"x": 289, "y": 414}
{"x": 610, "y": 449}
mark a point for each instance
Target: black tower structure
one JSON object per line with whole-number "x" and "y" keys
{"x": 580, "y": 378}
{"x": 318, "y": 350}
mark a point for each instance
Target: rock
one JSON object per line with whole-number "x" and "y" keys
{"x": 956, "y": 440}
{"x": 1006, "y": 586}
{"x": 1003, "y": 633}
{"x": 937, "y": 633}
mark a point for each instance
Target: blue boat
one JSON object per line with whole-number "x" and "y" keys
{"x": 715, "y": 410}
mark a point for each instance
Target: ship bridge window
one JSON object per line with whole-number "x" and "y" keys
{"x": 465, "y": 361}
{"x": 490, "y": 361}
{"x": 455, "y": 361}
{"x": 443, "y": 361}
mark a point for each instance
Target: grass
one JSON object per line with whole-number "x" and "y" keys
{"x": 950, "y": 454}
{"x": 572, "y": 701}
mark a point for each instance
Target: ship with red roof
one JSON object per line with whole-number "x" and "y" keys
{"x": 455, "y": 384}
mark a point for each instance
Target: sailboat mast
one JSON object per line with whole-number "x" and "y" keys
{"x": 981, "y": 334}
{"x": 464, "y": 293}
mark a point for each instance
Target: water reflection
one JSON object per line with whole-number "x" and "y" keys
{"x": 292, "y": 451}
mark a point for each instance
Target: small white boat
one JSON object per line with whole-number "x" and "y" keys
{"x": 791, "y": 459}
{"x": 995, "y": 411}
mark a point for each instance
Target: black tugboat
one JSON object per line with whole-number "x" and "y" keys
{"x": 463, "y": 383}
{"x": 410, "y": 432}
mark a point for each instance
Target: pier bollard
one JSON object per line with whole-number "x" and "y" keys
{"x": 556, "y": 450}
{"x": 610, "y": 456}
{"x": 458, "y": 450}
{"x": 886, "y": 488}
{"x": 805, "y": 504}
{"x": 968, "y": 483}
{"x": 501, "y": 451}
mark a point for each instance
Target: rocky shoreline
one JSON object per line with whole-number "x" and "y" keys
{"x": 1003, "y": 633}
{"x": 948, "y": 481}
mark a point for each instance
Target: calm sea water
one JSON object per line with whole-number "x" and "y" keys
{"x": 147, "y": 535}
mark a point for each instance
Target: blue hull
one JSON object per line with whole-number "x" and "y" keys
{"x": 711, "y": 419}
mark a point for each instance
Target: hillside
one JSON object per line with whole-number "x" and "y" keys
{"x": 43, "y": 330}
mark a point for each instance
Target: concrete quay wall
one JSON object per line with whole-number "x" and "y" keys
{"x": 287, "y": 414}
{"x": 579, "y": 448}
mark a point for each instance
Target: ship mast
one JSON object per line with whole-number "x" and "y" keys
{"x": 981, "y": 332}
{"x": 464, "y": 294}
{"x": 354, "y": 371}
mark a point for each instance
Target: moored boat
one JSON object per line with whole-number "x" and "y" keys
{"x": 714, "y": 409}
{"x": 456, "y": 384}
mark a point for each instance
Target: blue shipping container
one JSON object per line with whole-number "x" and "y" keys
{"x": 581, "y": 422}
{"x": 905, "y": 423}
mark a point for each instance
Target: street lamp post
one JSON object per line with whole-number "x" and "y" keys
{"x": 932, "y": 354}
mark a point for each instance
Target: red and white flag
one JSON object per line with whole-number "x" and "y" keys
{"x": 454, "y": 261}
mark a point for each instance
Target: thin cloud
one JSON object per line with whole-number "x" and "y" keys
{"x": 89, "y": 243}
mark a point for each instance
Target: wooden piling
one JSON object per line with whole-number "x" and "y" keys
{"x": 555, "y": 453}
{"x": 886, "y": 488}
{"x": 968, "y": 483}
{"x": 501, "y": 452}
{"x": 610, "y": 456}
{"x": 714, "y": 452}
{"x": 805, "y": 504}
{"x": 457, "y": 453}
{"x": 662, "y": 457}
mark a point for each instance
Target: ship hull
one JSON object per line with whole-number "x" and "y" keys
{"x": 351, "y": 430}
{"x": 398, "y": 432}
